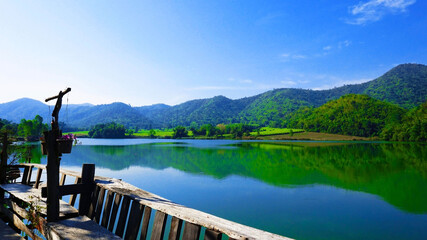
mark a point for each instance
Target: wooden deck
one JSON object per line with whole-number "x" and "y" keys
{"x": 6, "y": 233}
{"x": 120, "y": 210}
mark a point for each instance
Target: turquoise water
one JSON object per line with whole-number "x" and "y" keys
{"x": 303, "y": 190}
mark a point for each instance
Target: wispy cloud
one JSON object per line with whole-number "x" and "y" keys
{"x": 374, "y": 10}
{"x": 288, "y": 56}
{"x": 344, "y": 43}
{"x": 339, "y": 83}
{"x": 288, "y": 83}
{"x": 269, "y": 18}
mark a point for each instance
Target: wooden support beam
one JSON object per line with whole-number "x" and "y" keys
{"x": 123, "y": 216}
{"x": 191, "y": 231}
{"x": 74, "y": 196}
{"x": 145, "y": 222}
{"x": 212, "y": 235}
{"x": 159, "y": 226}
{"x": 107, "y": 209}
{"x": 38, "y": 177}
{"x": 116, "y": 206}
{"x": 175, "y": 232}
{"x": 52, "y": 176}
{"x": 88, "y": 174}
{"x": 134, "y": 222}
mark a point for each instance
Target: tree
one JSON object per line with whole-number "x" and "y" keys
{"x": 179, "y": 132}
{"x": 109, "y": 130}
{"x": 152, "y": 133}
{"x": 31, "y": 130}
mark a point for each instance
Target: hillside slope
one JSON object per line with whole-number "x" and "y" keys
{"x": 404, "y": 85}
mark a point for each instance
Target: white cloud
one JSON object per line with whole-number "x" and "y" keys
{"x": 288, "y": 56}
{"x": 344, "y": 43}
{"x": 288, "y": 83}
{"x": 327, "y": 48}
{"x": 247, "y": 81}
{"x": 374, "y": 10}
{"x": 339, "y": 83}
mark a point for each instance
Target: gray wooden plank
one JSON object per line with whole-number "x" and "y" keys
{"x": 123, "y": 216}
{"x": 107, "y": 209}
{"x": 212, "y": 235}
{"x": 7, "y": 233}
{"x": 74, "y": 196}
{"x": 94, "y": 200}
{"x": 79, "y": 228}
{"x": 191, "y": 231}
{"x": 159, "y": 226}
{"x": 145, "y": 223}
{"x": 99, "y": 205}
{"x": 38, "y": 177}
{"x": 175, "y": 231}
{"x": 134, "y": 222}
{"x": 114, "y": 212}
{"x": 31, "y": 195}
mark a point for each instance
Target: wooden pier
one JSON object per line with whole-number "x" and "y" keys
{"x": 116, "y": 210}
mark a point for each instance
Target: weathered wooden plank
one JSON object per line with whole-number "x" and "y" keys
{"x": 134, "y": 222}
{"x": 94, "y": 200}
{"x": 31, "y": 195}
{"x": 99, "y": 205}
{"x": 107, "y": 209}
{"x": 159, "y": 226}
{"x": 123, "y": 216}
{"x": 38, "y": 177}
{"x": 212, "y": 235}
{"x": 116, "y": 206}
{"x": 74, "y": 196}
{"x": 145, "y": 223}
{"x": 78, "y": 228}
{"x": 232, "y": 229}
{"x": 88, "y": 173}
{"x": 23, "y": 213}
{"x": 17, "y": 222}
{"x": 175, "y": 232}
{"x": 6, "y": 232}
{"x": 24, "y": 179}
{"x": 191, "y": 231}
{"x": 62, "y": 181}
{"x": 30, "y": 172}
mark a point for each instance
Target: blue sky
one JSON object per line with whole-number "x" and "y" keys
{"x": 148, "y": 52}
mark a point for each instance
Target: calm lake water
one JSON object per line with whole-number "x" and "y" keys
{"x": 303, "y": 190}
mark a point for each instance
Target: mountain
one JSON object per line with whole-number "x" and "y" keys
{"x": 405, "y": 85}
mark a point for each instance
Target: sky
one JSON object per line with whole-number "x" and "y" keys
{"x": 148, "y": 52}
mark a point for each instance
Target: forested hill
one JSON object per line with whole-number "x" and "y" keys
{"x": 353, "y": 114}
{"x": 404, "y": 85}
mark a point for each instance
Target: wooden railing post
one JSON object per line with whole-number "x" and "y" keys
{"x": 52, "y": 175}
{"x": 88, "y": 175}
{"x": 3, "y": 165}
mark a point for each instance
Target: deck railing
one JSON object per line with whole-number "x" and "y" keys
{"x": 132, "y": 213}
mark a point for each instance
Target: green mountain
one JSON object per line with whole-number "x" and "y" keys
{"x": 404, "y": 85}
{"x": 353, "y": 114}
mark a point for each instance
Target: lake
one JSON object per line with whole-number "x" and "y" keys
{"x": 303, "y": 190}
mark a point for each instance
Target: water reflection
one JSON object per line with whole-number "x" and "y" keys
{"x": 395, "y": 172}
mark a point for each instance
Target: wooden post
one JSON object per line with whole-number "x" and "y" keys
{"x": 88, "y": 174}
{"x": 3, "y": 165}
{"x": 53, "y": 160}
{"x": 52, "y": 176}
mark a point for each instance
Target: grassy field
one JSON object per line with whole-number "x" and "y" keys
{"x": 268, "y": 131}
{"x": 265, "y": 133}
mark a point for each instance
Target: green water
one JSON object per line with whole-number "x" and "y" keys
{"x": 303, "y": 190}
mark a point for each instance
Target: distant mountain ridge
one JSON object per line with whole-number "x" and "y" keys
{"x": 405, "y": 85}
